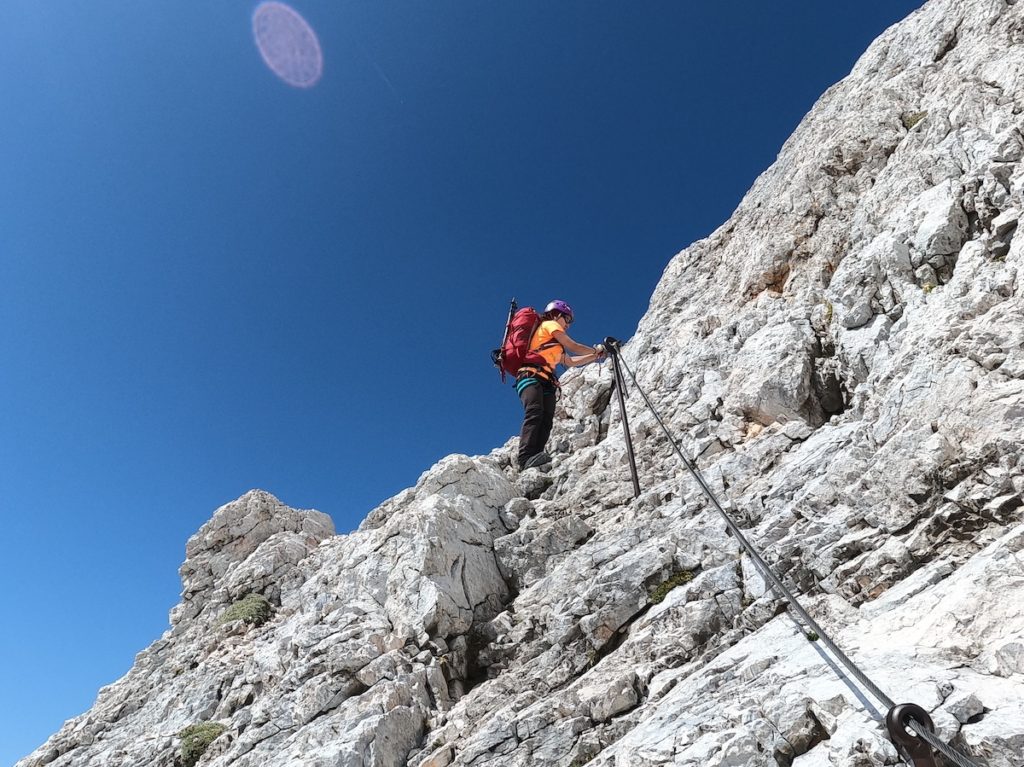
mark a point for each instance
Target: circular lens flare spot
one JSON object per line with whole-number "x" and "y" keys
{"x": 288, "y": 44}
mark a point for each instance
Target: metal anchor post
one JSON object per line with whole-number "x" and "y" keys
{"x": 611, "y": 345}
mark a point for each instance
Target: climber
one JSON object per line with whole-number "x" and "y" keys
{"x": 537, "y": 384}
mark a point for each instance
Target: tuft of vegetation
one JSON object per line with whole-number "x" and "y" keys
{"x": 660, "y": 592}
{"x": 910, "y": 119}
{"x": 812, "y": 636}
{"x": 928, "y": 287}
{"x": 254, "y": 609}
{"x": 196, "y": 738}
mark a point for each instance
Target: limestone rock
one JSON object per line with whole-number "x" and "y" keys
{"x": 242, "y": 548}
{"x": 842, "y": 360}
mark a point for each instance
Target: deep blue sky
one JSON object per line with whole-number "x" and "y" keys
{"x": 211, "y": 281}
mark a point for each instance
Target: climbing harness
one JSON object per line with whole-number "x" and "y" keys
{"x": 901, "y": 719}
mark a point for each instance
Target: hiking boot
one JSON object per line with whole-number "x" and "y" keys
{"x": 539, "y": 459}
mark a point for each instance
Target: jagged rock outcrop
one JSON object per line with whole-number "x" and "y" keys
{"x": 844, "y": 358}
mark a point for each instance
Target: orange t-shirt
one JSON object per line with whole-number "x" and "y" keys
{"x": 546, "y": 334}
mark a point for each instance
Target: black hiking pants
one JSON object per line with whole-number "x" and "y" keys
{"x": 538, "y": 415}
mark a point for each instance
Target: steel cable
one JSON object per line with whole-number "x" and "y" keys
{"x": 952, "y": 754}
{"x": 942, "y": 747}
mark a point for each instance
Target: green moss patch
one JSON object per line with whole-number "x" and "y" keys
{"x": 910, "y": 119}
{"x": 253, "y": 609}
{"x": 196, "y": 738}
{"x": 658, "y": 593}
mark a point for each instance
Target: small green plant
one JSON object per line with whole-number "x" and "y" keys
{"x": 928, "y": 287}
{"x": 661, "y": 591}
{"x": 196, "y": 738}
{"x": 254, "y": 609}
{"x": 812, "y": 636}
{"x": 910, "y": 119}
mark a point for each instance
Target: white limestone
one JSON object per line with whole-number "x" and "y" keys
{"x": 843, "y": 358}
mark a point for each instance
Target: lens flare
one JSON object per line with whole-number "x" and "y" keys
{"x": 288, "y": 44}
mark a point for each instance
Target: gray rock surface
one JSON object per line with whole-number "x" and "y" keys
{"x": 843, "y": 358}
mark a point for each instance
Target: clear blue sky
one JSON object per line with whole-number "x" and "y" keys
{"x": 211, "y": 281}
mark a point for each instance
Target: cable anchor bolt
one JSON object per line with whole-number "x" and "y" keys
{"x": 916, "y": 747}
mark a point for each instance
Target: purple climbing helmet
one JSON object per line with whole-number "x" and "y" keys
{"x": 561, "y": 307}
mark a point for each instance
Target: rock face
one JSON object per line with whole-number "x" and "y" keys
{"x": 844, "y": 359}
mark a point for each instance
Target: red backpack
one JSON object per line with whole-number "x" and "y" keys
{"x": 515, "y": 346}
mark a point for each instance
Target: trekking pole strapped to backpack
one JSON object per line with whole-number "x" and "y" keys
{"x": 497, "y": 355}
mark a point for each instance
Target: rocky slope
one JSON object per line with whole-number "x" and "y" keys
{"x": 845, "y": 359}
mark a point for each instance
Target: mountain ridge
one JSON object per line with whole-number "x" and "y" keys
{"x": 844, "y": 361}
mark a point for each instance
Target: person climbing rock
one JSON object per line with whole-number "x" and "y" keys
{"x": 537, "y": 384}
